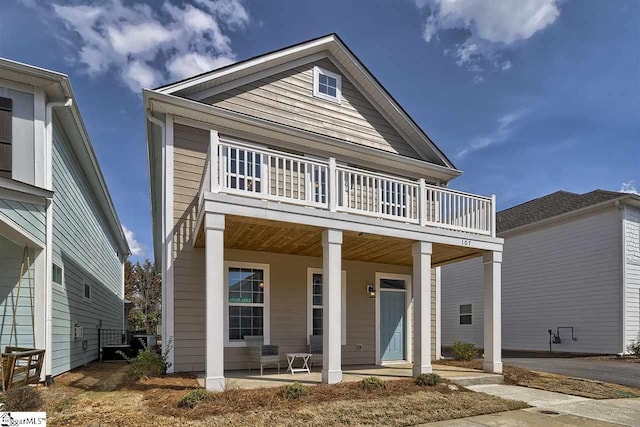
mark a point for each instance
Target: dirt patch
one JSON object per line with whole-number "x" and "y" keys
{"x": 103, "y": 394}
{"x": 551, "y": 382}
{"x": 624, "y": 359}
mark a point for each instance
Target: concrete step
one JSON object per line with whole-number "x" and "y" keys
{"x": 477, "y": 379}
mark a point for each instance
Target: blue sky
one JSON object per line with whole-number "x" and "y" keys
{"x": 525, "y": 96}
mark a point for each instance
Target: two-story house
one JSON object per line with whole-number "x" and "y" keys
{"x": 292, "y": 196}
{"x": 61, "y": 243}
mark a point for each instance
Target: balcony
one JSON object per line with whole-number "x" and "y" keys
{"x": 242, "y": 169}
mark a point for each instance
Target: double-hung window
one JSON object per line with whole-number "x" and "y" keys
{"x": 466, "y": 314}
{"x": 57, "y": 274}
{"x": 315, "y": 295}
{"x": 327, "y": 85}
{"x": 247, "y": 302}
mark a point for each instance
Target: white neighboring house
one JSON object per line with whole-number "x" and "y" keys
{"x": 570, "y": 261}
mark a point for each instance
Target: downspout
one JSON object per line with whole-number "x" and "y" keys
{"x": 48, "y": 184}
{"x": 623, "y": 281}
{"x": 163, "y": 130}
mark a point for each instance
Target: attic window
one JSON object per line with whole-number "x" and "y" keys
{"x": 327, "y": 85}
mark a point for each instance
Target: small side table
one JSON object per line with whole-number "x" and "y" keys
{"x": 291, "y": 357}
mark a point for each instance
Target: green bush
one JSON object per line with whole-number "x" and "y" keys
{"x": 149, "y": 363}
{"x": 464, "y": 350}
{"x": 372, "y": 384}
{"x": 634, "y": 347}
{"x": 193, "y": 398}
{"x": 22, "y": 399}
{"x": 428, "y": 380}
{"x": 295, "y": 391}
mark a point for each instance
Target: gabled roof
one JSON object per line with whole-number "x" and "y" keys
{"x": 552, "y": 205}
{"x": 58, "y": 88}
{"x": 330, "y": 46}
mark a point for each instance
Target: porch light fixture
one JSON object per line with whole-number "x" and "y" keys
{"x": 371, "y": 290}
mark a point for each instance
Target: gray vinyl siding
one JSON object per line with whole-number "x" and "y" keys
{"x": 287, "y": 98}
{"x": 563, "y": 274}
{"x": 12, "y": 262}
{"x": 82, "y": 239}
{"x": 30, "y": 217}
{"x": 632, "y": 269}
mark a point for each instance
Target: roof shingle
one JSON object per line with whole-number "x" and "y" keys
{"x": 548, "y": 206}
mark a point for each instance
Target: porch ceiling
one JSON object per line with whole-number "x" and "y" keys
{"x": 255, "y": 234}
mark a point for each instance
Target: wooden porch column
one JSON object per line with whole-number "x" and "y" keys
{"x": 331, "y": 306}
{"x": 214, "y": 297}
{"x": 492, "y": 312}
{"x": 422, "y": 308}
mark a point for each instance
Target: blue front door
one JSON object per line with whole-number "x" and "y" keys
{"x": 392, "y": 312}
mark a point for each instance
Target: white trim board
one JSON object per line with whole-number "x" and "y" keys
{"x": 310, "y": 272}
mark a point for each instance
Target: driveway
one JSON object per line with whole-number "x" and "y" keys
{"x": 611, "y": 372}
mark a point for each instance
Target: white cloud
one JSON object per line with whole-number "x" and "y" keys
{"x": 507, "y": 124}
{"x": 137, "y": 249}
{"x": 629, "y": 187}
{"x": 491, "y": 26}
{"x": 148, "y": 46}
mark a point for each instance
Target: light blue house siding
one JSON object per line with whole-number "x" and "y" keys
{"x": 30, "y": 217}
{"x": 11, "y": 261}
{"x": 84, "y": 243}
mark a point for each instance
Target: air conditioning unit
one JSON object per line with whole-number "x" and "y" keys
{"x": 78, "y": 331}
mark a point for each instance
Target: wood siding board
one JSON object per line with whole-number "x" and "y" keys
{"x": 288, "y": 98}
{"x": 29, "y": 217}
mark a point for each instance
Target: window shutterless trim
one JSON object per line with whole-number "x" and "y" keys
{"x": 317, "y": 71}
{"x": 466, "y": 314}
{"x": 310, "y": 306}
{"x": 266, "y": 318}
{"x": 86, "y": 286}
{"x": 57, "y": 261}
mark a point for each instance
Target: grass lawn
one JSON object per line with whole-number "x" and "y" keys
{"x": 103, "y": 394}
{"x": 552, "y": 382}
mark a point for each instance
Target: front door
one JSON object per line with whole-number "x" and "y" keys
{"x": 392, "y": 319}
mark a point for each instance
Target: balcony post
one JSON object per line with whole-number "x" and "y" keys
{"x": 493, "y": 215}
{"x": 422, "y": 202}
{"x": 214, "y": 168}
{"x": 332, "y": 188}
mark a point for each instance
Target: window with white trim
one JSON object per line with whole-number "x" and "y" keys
{"x": 57, "y": 274}
{"x": 327, "y": 85}
{"x": 87, "y": 292}
{"x": 247, "y": 293}
{"x": 466, "y": 314}
{"x": 314, "y": 303}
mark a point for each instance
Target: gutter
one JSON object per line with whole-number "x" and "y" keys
{"x": 48, "y": 184}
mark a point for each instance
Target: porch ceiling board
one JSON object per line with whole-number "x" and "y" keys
{"x": 262, "y": 235}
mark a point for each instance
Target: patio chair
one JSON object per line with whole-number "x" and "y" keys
{"x": 315, "y": 348}
{"x": 261, "y": 354}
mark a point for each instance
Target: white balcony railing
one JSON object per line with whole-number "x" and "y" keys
{"x": 243, "y": 169}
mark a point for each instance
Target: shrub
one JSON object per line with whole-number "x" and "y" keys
{"x": 149, "y": 363}
{"x": 464, "y": 350}
{"x": 22, "y": 399}
{"x": 634, "y": 347}
{"x": 428, "y": 380}
{"x": 295, "y": 391}
{"x": 372, "y": 384}
{"x": 193, "y": 398}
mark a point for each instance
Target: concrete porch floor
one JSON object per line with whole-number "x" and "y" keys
{"x": 244, "y": 379}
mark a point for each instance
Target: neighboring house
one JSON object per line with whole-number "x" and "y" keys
{"x": 54, "y": 202}
{"x": 292, "y": 196}
{"x": 570, "y": 261}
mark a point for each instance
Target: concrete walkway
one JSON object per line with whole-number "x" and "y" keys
{"x": 246, "y": 380}
{"x": 552, "y": 409}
